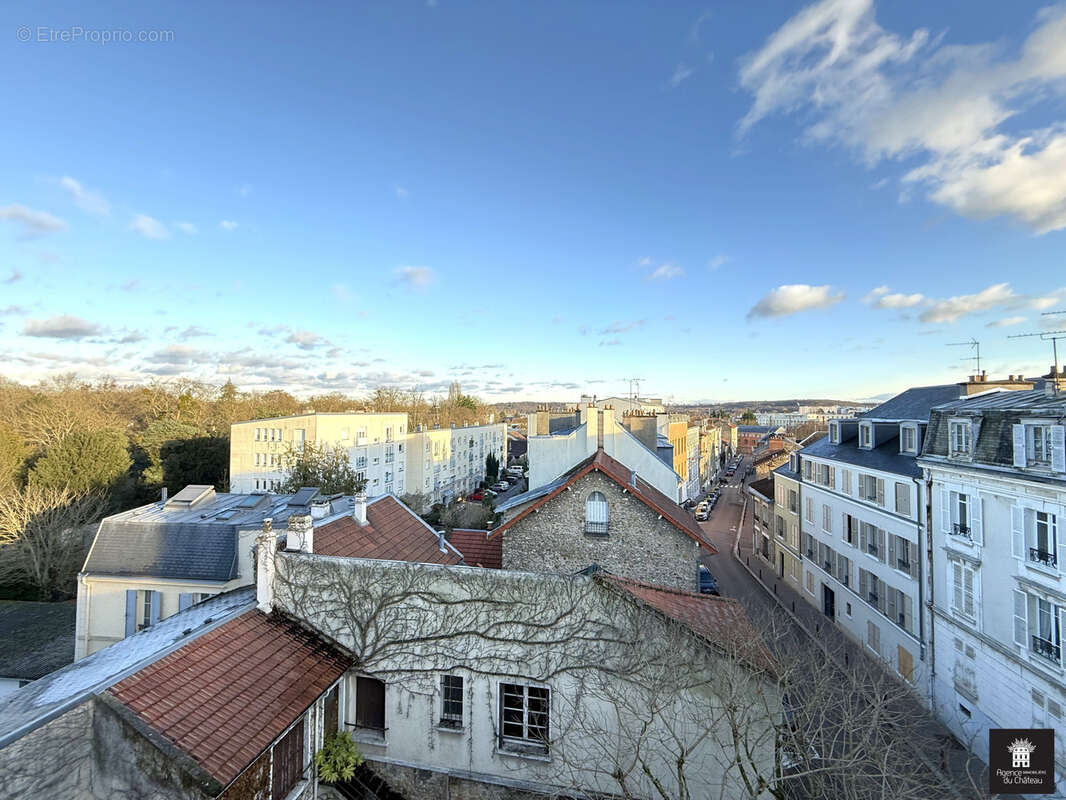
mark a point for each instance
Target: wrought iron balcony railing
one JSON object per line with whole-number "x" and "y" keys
{"x": 1038, "y": 556}
{"x": 1045, "y": 648}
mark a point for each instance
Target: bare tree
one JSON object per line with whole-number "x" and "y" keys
{"x": 43, "y": 535}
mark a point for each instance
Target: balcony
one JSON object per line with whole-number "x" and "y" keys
{"x": 1047, "y": 649}
{"x": 1042, "y": 557}
{"x": 962, "y": 531}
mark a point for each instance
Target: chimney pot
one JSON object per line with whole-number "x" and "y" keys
{"x": 359, "y": 508}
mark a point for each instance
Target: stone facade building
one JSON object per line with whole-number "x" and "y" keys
{"x": 605, "y": 514}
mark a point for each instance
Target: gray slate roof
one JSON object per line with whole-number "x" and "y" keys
{"x": 183, "y": 550}
{"x": 914, "y": 404}
{"x": 31, "y": 706}
{"x": 38, "y": 638}
{"x": 885, "y": 457}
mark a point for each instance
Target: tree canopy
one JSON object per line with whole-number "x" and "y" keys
{"x": 83, "y": 461}
{"x": 326, "y": 468}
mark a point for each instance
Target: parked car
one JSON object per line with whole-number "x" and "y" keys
{"x": 708, "y": 585}
{"x": 703, "y": 514}
{"x": 476, "y": 495}
{"x": 488, "y": 493}
{"x": 501, "y": 486}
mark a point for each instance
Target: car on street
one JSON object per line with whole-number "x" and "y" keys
{"x": 488, "y": 493}
{"x": 476, "y": 495}
{"x": 703, "y": 514}
{"x": 501, "y": 486}
{"x": 708, "y": 585}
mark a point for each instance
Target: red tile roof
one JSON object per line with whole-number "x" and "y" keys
{"x": 226, "y": 696}
{"x": 638, "y": 487}
{"x": 477, "y": 548}
{"x": 720, "y": 620}
{"x": 393, "y": 532}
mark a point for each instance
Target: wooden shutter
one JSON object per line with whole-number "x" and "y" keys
{"x": 913, "y": 558}
{"x": 892, "y": 551}
{"x": 833, "y": 471}
{"x": 156, "y": 598}
{"x": 288, "y": 766}
{"x": 131, "y": 612}
{"x": 956, "y": 585}
{"x": 908, "y": 613}
{"x": 1017, "y": 531}
{"x": 975, "y": 518}
{"x": 369, "y": 703}
{"x": 185, "y": 600}
{"x": 881, "y": 544}
{"x": 891, "y": 604}
{"x": 1021, "y": 619}
{"x": 863, "y": 539}
{"x": 906, "y": 663}
{"x": 945, "y": 510}
{"x": 1058, "y": 448}
{"x": 880, "y": 492}
{"x": 1018, "y": 433}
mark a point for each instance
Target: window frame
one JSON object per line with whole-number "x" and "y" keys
{"x": 524, "y": 744}
{"x": 596, "y": 501}
{"x": 959, "y": 433}
{"x": 452, "y": 720}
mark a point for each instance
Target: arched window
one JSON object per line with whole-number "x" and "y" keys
{"x": 596, "y": 513}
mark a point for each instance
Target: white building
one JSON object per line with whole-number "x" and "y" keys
{"x": 862, "y": 528}
{"x": 554, "y": 451}
{"x": 997, "y": 468}
{"x": 645, "y": 405}
{"x": 443, "y": 463}
{"x": 374, "y": 443}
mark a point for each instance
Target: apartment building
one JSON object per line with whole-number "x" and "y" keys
{"x": 863, "y": 528}
{"x": 710, "y": 444}
{"x": 375, "y": 443}
{"x": 786, "y": 532}
{"x": 443, "y": 463}
{"x": 997, "y": 470}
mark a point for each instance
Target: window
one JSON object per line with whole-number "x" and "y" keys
{"x": 793, "y": 501}
{"x": 596, "y": 514}
{"x": 873, "y": 637}
{"x": 902, "y": 555}
{"x": 810, "y": 510}
{"x": 834, "y": 433}
{"x": 780, "y": 528}
{"x": 851, "y": 529}
{"x": 847, "y": 609}
{"x": 1046, "y": 641}
{"x": 866, "y": 435}
{"x": 806, "y": 470}
{"x": 909, "y": 440}
{"x": 810, "y": 582}
{"x": 959, "y": 437}
{"x": 147, "y": 615}
{"x": 1034, "y": 536}
{"x": 257, "y": 437}
{"x": 903, "y": 499}
{"x": 872, "y": 489}
{"x": 370, "y": 704}
{"x": 872, "y": 540}
{"x": 1038, "y": 445}
{"x": 827, "y": 519}
{"x": 524, "y": 717}
{"x": 451, "y": 701}
{"x": 288, "y": 761}
{"x": 962, "y": 589}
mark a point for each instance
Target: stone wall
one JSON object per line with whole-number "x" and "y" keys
{"x": 638, "y": 544}
{"x": 51, "y": 762}
{"x": 423, "y": 784}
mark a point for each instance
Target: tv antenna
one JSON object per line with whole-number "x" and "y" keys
{"x": 973, "y": 344}
{"x": 634, "y": 394}
{"x": 1047, "y": 336}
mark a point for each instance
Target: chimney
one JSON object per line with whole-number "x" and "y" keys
{"x": 440, "y": 542}
{"x": 320, "y": 509}
{"x": 300, "y": 534}
{"x": 163, "y": 495}
{"x": 266, "y": 547}
{"x": 359, "y": 508}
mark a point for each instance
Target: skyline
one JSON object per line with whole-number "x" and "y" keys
{"x": 685, "y": 193}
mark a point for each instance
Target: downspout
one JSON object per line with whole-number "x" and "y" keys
{"x": 926, "y": 481}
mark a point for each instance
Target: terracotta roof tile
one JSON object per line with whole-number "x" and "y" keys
{"x": 636, "y": 486}
{"x": 393, "y": 532}
{"x": 477, "y": 548}
{"x": 720, "y": 620}
{"x": 224, "y": 697}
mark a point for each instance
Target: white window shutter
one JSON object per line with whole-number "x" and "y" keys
{"x": 131, "y": 612}
{"x": 1021, "y": 619}
{"x": 955, "y": 576}
{"x": 880, "y": 492}
{"x": 975, "y": 518}
{"x": 945, "y": 510}
{"x": 1019, "y": 445}
{"x": 1017, "y": 531}
{"x": 1062, "y": 634}
{"x": 156, "y": 598}
{"x": 1058, "y": 448}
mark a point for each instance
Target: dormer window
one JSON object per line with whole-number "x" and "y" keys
{"x": 596, "y": 514}
{"x": 866, "y": 436}
{"x": 1040, "y": 444}
{"x": 908, "y": 438}
{"x": 834, "y": 433}
{"x": 959, "y": 443}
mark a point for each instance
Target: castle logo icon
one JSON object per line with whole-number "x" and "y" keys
{"x": 1020, "y": 750}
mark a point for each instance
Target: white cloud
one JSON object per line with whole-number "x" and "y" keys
{"x": 718, "y": 261}
{"x": 150, "y": 227}
{"x": 60, "y": 327}
{"x": 401, "y": 192}
{"x": 953, "y": 308}
{"x": 681, "y": 74}
{"x": 1006, "y": 322}
{"x": 305, "y": 340}
{"x": 793, "y": 298}
{"x": 227, "y": 225}
{"x": 944, "y": 108}
{"x": 87, "y": 200}
{"x": 34, "y": 222}
{"x": 883, "y": 297}
{"x": 415, "y": 278}
{"x": 187, "y": 228}
{"x": 666, "y": 272}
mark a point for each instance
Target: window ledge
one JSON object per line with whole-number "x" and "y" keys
{"x": 450, "y": 728}
{"x": 368, "y": 736}
{"x": 529, "y": 755}
{"x": 1040, "y": 569}
{"x": 972, "y": 621}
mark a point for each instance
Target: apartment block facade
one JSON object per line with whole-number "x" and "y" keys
{"x": 443, "y": 463}
{"x": 997, "y": 469}
{"x": 375, "y": 443}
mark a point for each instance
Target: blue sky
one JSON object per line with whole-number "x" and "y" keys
{"x": 538, "y": 199}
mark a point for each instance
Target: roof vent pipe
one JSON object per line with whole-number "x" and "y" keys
{"x": 163, "y": 495}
